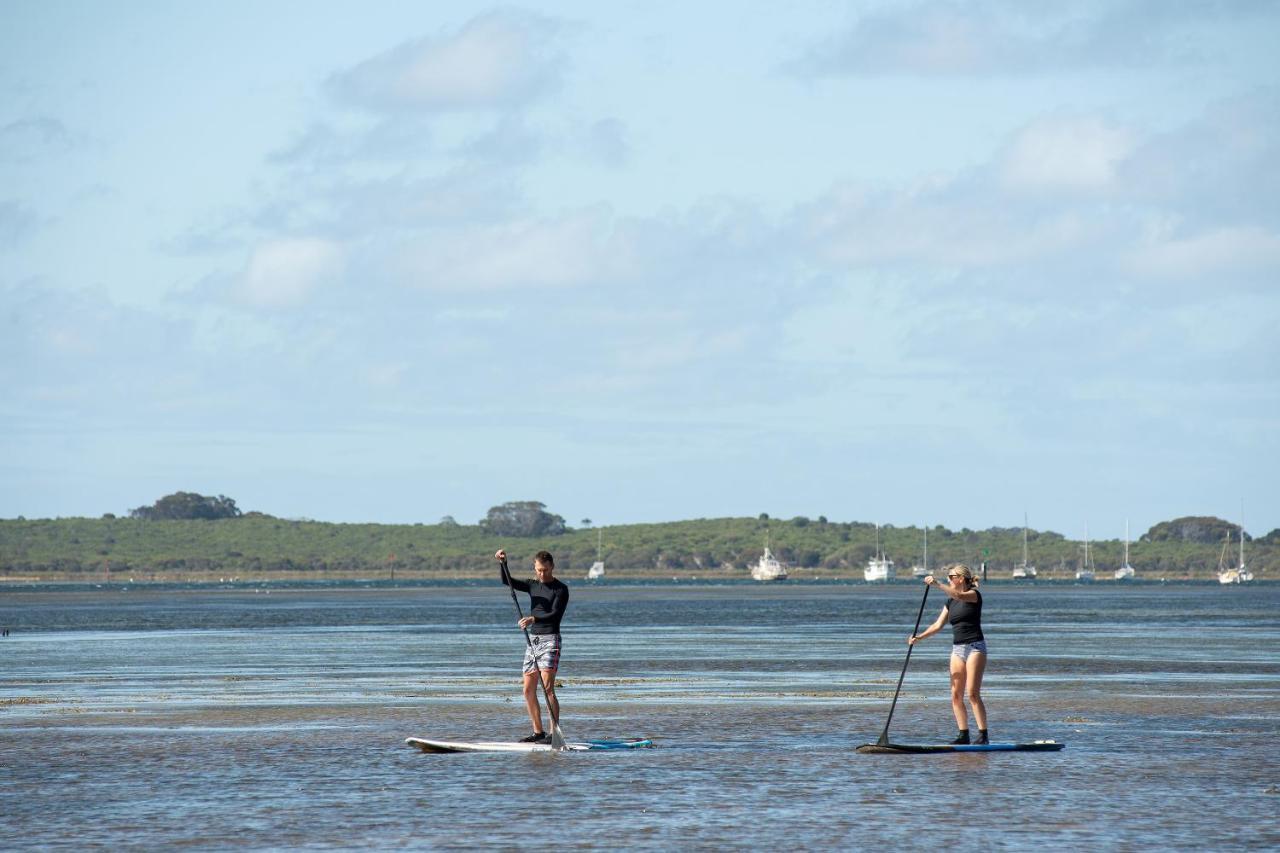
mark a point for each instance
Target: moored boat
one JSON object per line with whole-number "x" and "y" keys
{"x": 768, "y": 567}
{"x": 922, "y": 570}
{"x": 1024, "y": 571}
{"x": 879, "y": 568}
{"x": 1125, "y": 572}
{"x": 597, "y": 568}
{"x": 1239, "y": 574}
{"x": 1084, "y": 574}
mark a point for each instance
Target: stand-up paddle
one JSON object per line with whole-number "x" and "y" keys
{"x": 557, "y": 736}
{"x": 884, "y": 734}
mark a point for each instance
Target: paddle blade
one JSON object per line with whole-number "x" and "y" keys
{"x": 557, "y": 738}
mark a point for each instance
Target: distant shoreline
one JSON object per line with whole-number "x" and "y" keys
{"x": 334, "y": 581}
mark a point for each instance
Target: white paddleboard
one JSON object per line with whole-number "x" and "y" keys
{"x": 427, "y": 745}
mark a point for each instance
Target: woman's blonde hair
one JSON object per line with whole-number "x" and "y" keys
{"x": 969, "y": 576}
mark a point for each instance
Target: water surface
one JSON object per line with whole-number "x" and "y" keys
{"x": 270, "y": 718}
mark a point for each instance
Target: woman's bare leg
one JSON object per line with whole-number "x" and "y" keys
{"x": 958, "y": 681}
{"x": 977, "y": 665}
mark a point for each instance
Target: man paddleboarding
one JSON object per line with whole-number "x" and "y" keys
{"x": 968, "y": 650}
{"x": 548, "y": 599}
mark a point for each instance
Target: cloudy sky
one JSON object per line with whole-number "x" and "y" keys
{"x": 386, "y": 261}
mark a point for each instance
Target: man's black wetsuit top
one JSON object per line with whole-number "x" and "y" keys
{"x": 547, "y": 603}
{"x": 966, "y": 619}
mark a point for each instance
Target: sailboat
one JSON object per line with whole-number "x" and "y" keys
{"x": 922, "y": 570}
{"x": 879, "y": 568}
{"x": 767, "y": 568}
{"x": 1084, "y": 574}
{"x": 1236, "y": 575}
{"x": 597, "y": 568}
{"x": 1024, "y": 571}
{"x": 1125, "y": 572}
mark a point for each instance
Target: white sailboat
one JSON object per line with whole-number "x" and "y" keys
{"x": 1084, "y": 574}
{"x": 1239, "y": 574}
{"x": 768, "y": 568}
{"x": 922, "y": 570}
{"x": 1024, "y": 571}
{"x": 879, "y": 568}
{"x": 1125, "y": 572}
{"x": 597, "y": 568}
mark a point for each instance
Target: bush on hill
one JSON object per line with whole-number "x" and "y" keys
{"x": 187, "y": 505}
{"x": 1197, "y": 528}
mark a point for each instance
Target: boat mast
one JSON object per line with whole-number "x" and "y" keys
{"x": 1126, "y": 541}
{"x": 926, "y": 549}
{"x": 1024, "y": 540}
{"x": 1242, "y": 536}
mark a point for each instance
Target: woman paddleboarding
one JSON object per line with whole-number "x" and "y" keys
{"x": 963, "y": 611}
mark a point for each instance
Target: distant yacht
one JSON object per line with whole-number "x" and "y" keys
{"x": 1084, "y": 574}
{"x": 1236, "y": 575}
{"x": 1024, "y": 571}
{"x": 768, "y": 568}
{"x": 879, "y": 568}
{"x": 922, "y": 570}
{"x": 597, "y": 568}
{"x": 1125, "y": 572}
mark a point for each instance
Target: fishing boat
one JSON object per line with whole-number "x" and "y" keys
{"x": 1084, "y": 574}
{"x": 879, "y": 568}
{"x": 597, "y": 568}
{"x": 1125, "y": 572}
{"x": 1024, "y": 571}
{"x": 1240, "y": 574}
{"x": 768, "y": 568}
{"x": 922, "y": 570}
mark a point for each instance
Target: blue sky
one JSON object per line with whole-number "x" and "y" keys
{"x": 922, "y": 262}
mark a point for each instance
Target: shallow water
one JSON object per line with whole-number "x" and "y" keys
{"x": 248, "y": 718}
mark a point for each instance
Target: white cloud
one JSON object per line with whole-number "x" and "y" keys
{"x": 948, "y": 223}
{"x": 1218, "y": 169}
{"x": 573, "y": 250}
{"x": 283, "y": 273}
{"x": 947, "y": 38}
{"x": 1248, "y": 250}
{"x": 499, "y": 59}
{"x": 1065, "y": 154}
{"x": 28, "y": 140}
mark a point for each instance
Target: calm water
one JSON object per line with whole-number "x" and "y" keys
{"x": 248, "y": 718}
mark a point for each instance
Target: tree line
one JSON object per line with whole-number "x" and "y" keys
{"x": 215, "y": 537}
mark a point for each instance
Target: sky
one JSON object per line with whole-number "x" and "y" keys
{"x": 896, "y": 262}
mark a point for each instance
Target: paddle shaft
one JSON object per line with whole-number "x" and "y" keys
{"x": 551, "y": 712}
{"x": 884, "y": 735}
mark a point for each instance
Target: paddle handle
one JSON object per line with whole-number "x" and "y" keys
{"x": 506, "y": 576}
{"x": 884, "y": 734}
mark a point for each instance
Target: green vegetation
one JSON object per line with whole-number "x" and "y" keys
{"x": 188, "y": 505}
{"x": 523, "y": 518}
{"x": 255, "y": 546}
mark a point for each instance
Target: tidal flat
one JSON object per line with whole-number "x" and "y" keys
{"x": 275, "y": 717}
